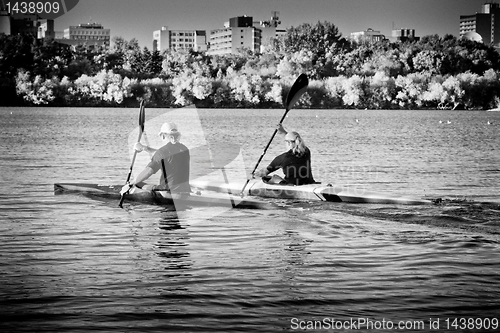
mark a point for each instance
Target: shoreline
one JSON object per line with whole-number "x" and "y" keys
{"x": 277, "y": 107}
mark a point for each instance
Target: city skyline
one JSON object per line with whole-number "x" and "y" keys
{"x": 138, "y": 19}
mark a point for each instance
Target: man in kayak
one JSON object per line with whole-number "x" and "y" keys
{"x": 295, "y": 163}
{"x": 173, "y": 156}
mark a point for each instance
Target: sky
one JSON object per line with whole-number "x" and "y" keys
{"x": 138, "y": 19}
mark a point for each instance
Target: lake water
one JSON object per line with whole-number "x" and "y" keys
{"x": 71, "y": 263}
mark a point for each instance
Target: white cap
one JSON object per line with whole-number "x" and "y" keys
{"x": 168, "y": 128}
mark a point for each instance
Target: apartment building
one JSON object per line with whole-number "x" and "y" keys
{"x": 165, "y": 39}
{"x": 243, "y": 32}
{"x": 486, "y": 23}
{"x": 232, "y": 39}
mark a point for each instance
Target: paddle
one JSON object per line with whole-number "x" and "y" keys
{"x": 298, "y": 88}
{"x": 142, "y": 117}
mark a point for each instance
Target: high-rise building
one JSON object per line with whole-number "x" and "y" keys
{"x": 486, "y": 23}
{"x": 166, "y": 39}
{"x": 231, "y": 39}
{"x": 243, "y": 33}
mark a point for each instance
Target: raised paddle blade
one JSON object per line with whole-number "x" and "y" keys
{"x": 142, "y": 118}
{"x": 298, "y": 88}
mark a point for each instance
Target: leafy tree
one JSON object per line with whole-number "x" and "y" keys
{"x": 129, "y": 51}
{"x": 322, "y": 40}
{"x": 450, "y": 55}
{"x": 139, "y": 61}
{"x": 349, "y": 62}
{"x": 175, "y": 61}
{"x": 154, "y": 65}
{"x": 224, "y": 62}
{"x": 317, "y": 38}
{"x": 265, "y": 65}
{"x": 294, "y": 64}
{"x": 86, "y": 60}
{"x": 15, "y": 53}
{"x": 387, "y": 57}
{"x": 354, "y": 91}
{"x": 410, "y": 90}
{"x": 428, "y": 61}
{"x": 79, "y": 67}
{"x": 476, "y": 57}
{"x": 109, "y": 60}
{"x": 50, "y": 58}
{"x": 381, "y": 91}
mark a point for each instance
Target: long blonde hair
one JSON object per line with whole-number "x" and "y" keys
{"x": 299, "y": 147}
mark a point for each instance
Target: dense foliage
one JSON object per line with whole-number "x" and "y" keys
{"x": 434, "y": 72}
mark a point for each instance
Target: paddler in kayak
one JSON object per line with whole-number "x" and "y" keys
{"x": 175, "y": 157}
{"x": 295, "y": 162}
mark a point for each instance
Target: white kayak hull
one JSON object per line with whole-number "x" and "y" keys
{"x": 313, "y": 192}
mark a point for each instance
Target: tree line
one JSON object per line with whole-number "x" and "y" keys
{"x": 434, "y": 72}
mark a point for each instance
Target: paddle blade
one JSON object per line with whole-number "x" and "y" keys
{"x": 298, "y": 88}
{"x": 142, "y": 116}
{"x": 142, "y": 120}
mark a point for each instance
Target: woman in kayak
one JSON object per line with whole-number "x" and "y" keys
{"x": 173, "y": 157}
{"x": 295, "y": 163}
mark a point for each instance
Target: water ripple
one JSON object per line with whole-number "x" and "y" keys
{"x": 74, "y": 263}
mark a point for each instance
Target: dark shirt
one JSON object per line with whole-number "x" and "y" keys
{"x": 297, "y": 170}
{"x": 176, "y": 159}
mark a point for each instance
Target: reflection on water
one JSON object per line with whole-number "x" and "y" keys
{"x": 172, "y": 246}
{"x": 73, "y": 263}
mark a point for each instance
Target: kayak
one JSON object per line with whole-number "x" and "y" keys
{"x": 312, "y": 192}
{"x": 227, "y": 194}
{"x": 180, "y": 201}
